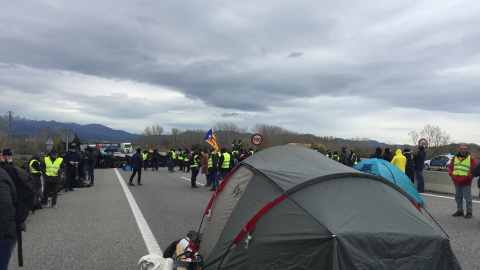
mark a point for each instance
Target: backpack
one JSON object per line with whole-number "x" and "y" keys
{"x": 26, "y": 201}
{"x": 410, "y": 163}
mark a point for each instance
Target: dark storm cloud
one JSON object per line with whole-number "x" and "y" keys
{"x": 251, "y": 56}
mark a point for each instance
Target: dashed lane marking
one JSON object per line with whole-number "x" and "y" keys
{"x": 190, "y": 180}
{"x": 150, "y": 241}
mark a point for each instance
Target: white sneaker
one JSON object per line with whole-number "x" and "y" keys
{"x": 54, "y": 206}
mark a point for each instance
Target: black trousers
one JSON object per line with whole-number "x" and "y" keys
{"x": 194, "y": 176}
{"x": 70, "y": 177}
{"x": 91, "y": 168}
{"x": 410, "y": 174}
{"x": 53, "y": 187}
{"x": 134, "y": 172}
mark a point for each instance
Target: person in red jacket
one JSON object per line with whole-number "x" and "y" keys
{"x": 460, "y": 170}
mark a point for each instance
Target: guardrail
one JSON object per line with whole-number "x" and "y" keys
{"x": 441, "y": 182}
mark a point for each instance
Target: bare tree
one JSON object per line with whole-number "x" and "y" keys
{"x": 414, "y": 137}
{"x": 434, "y": 135}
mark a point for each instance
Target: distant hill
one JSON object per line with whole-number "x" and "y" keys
{"x": 22, "y": 126}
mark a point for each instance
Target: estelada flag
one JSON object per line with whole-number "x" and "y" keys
{"x": 210, "y": 138}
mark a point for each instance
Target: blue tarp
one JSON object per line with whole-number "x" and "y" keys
{"x": 389, "y": 171}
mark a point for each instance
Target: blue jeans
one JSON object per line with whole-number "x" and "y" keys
{"x": 215, "y": 181}
{"x": 224, "y": 174}
{"x": 7, "y": 245}
{"x": 420, "y": 184}
{"x": 171, "y": 165}
{"x": 463, "y": 192}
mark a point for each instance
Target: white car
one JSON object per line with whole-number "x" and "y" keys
{"x": 440, "y": 162}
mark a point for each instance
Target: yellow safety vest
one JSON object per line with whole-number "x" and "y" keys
{"x": 173, "y": 155}
{"x": 251, "y": 152}
{"x": 145, "y": 156}
{"x": 51, "y": 169}
{"x": 353, "y": 156}
{"x": 180, "y": 155}
{"x": 187, "y": 157}
{"x": 461, "y": 168}
{"x": 226, "y": 161}
{"x": 336, "y": 157}
{"x": 210, "y": 161}
{"x": 32, "y": 170}
{"x": 194, "y": 162}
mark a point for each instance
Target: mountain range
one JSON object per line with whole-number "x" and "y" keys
{"x": 22, "y": 126}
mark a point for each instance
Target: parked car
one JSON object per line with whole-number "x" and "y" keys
{"x": 440, "y": 162}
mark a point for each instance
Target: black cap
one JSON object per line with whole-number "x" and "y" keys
{"x": 54, "y": 152}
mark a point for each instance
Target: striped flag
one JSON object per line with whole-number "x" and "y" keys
{"x": 210, "y": 138}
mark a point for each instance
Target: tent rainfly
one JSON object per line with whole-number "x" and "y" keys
{"x": 289, "y": 207}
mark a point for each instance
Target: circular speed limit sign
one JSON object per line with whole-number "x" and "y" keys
{"x": 423, "y": 142}
{"x": 257, "y": 139}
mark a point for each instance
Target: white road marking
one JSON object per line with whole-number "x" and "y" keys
{"x": 189, "y": 180}
{"x": 148, "y": 237}
{"x": 445, "y": 197}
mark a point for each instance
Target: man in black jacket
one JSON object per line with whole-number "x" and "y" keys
{"x": 71, "y": 159}
{"x": 419, "y": 160}
{"x": 137, "y": 162}
{"x": 8, "y": 236}
{"x": 344, "y": 156}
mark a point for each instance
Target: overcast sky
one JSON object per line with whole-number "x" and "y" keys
{"x": 347, "y": 69}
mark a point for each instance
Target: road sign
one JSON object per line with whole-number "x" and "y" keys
{"x": 423, "y": 142}
{"x": 257, "y": 139}
{"x": 67, "y": 136}
{"x": 49, "y": 144}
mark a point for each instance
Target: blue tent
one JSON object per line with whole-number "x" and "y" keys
{"x": 389, "y": 171}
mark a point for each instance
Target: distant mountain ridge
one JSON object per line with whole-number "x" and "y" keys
{"x": 22, "y": 126}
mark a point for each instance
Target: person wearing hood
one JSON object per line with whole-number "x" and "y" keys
{"x": 344, "y": 156}
{"x": 419, "y": 160}
{"x": 378, "y": 153}
{"x": 409, "y": 166}
{"x": 399, "y": 160}
{"x": 387, "y": 155}
{"x": 460, "y": 169}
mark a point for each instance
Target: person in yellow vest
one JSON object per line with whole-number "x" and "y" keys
{"x": 195, "y": 163}
{"x": 36, "y": 172}
{"x": 460, "y": 169}
{"x": 172, "y": 157}
{"x": 250, "y": 152}
{"x": 145, "y": 159}
{"x": 352, "y": 158}
{"x": 335, "y": 156}
{"x": 213, "y": 169}
{"x": 328, "y": 154}
{"x": 224, "y": 162}
{"x": 186, "y": 159}
{"x": 52, "y": 169}
{"x": 181, "y": 162}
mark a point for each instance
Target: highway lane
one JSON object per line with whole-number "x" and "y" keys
{"x": 94, "y": 228}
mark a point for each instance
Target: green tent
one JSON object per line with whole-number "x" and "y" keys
{"x": 289, "y": 207}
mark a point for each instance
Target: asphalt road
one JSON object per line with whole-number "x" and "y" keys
{"x": 95, "y": 228}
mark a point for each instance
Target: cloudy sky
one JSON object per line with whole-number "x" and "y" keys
{"x": 348, "y": 69}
